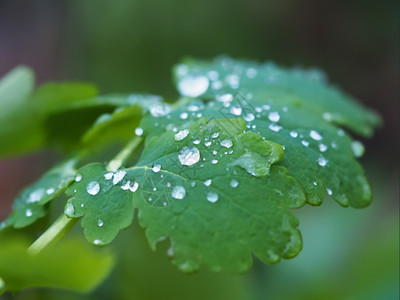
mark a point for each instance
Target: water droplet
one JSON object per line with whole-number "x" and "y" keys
{"x": 193, "y": 86}
{"x": 97, "y": 242}
{"x": 340, "y": 132}
{"x": 293, "y": 134}
{"x": 236, "y": 110}
{"x": 100, "y": 223}
{"x": 215, "y": 135}
{"x": 188, "y": 156}
{"x": 132, "y": 186}
{"x": 139, "y": 131}
{"x": 184, "y": 115}
{"x": 118, "y": 176}
{"x": 322, "y": 161}
{"x": 93, "y": 188}
{"x": 305, "y": 143}
{"x": 322, "y": 147}
{"x": 181, "y": 135}
{"x": 315, "y": 183}
{"x": 82, "y": 205}
{"x": 35, "y": 196}
{"x": 159, "y": 110}
{"x": 214, "y": 152}
{"x": 212, "y": 197}
{"x": 69, "y": 209}
{"x": 108, "y": 175}
{"x": 234, "y": 183}
{"x": 274, "y": 116}
{"x": 251, "y": 73}
{"x": 358, "y": 148}
{"x": 156, "y": 168}
{"x": 208, "y": 182}
{"x": 78, "y": 177}
{"x": 196, "y": 142}
{"x": 28, "y": 213}
{"x": 50, "y": 191}
{"x": 327, "y": 116}
{"x": 207, "y": 144}
{"x": 315, "y": 135}
{"x": 274, "y": 127}
{"x": 225, "y": 98}
{"x": 227, "y": 143}
{"x": 214, "y": 161}
{"x": 233, "y": 80}
{"x": 213, "y": 75}
{"x": 178, "y": 192}
{"x": 329, "y": 191}
{"x": 266, "y": 107}
{"x": 249, "y": 117}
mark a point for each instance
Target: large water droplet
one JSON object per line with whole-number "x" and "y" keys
{"x": 156, "y": 168}
{"x": 274, "y": 116}
{"x": 35, "y": 196}
{"x": 139, "y": 131}
{"x": 193, "y": 86}
{"x": 178, "y": 192}
{"x": 181, "y": 134}
{"x": 118, "y": 176}
{"x": 189, "y": 155}
{"x": 212, "y": 197}
{"x": 93, "y": 188}
{"x": 227, "y": 143}
{"x": 69, "y": 209}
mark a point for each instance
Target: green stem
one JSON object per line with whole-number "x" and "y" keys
{"x": 63, "y": 224}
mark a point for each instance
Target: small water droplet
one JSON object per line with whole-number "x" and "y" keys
{"x": 213, "y": 75}
{"x": 214, "y": 161}
{"x": 322, "y": 147}
{"x": 50, "y": 191}
{"x": 181, "y": 135}
{"x": 35, "y": 196}
{"x": 236, "y": 110}
{"x": 97, "y": 242}
{"x": 215, "y": 135}
{"x": 274, "y": 127}
{"x": 227, "y": 143}
{"x": 233, "y": 80}
{"x": 315, "y": 135}
{"x": 132, "y": 186}
{"x": 108, "y": 175}
{"x": 207, "y": 144}
{"x": 183, "y": 115}
{"x": 234, "y": 183}
{"x": 251, "y": 73}
{"x": 193, "y": 86}
{"x": 139, "y": 131}
{"x": 322, "y": 161}
{"x": 196, "y": 142}
{"x": 93, "y": 188}
{"x": 178, "y": 192}
{"x": 156, "y": 168}
{"x": 340, "y": 132}
{"x": 100, "y": 223}
{"x": 274, "y": 116}
{"x": 208, "y": 182}
{"x": 212, "y": 197}
{"x": 358, "y": 148}
{"x": 248, "y": 117}
{"x": 266, "y": 107}
{"x": 78, "y": 177}
{"x": 293, "y": 134}
{"x": 188, "y": 156}
{"x": 305, "y": 143}
{"x": 28, "y": 213}
{"x": 315, "y": 183}
{"x": 329, "y": 191}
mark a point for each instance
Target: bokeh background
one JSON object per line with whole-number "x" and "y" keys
{"x": 131, "y": 45}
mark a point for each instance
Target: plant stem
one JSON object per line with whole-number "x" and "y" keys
{"x": 123, "y": 156}
{"x": 63, "y": 224}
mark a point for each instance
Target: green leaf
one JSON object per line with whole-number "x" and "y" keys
{"x": 210, "y": 189}
{"x": 30, "y": 205}
{"x": 105, "y": 209}
{"x": 56, "y": 267}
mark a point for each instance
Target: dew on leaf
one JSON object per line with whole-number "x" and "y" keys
{"x": 315, "y": 135}
{"x": 100, "y": 223}
{"x": 227, "y": 143}
{"x": 50, "y": 191}
{"x": 322, "y": 161}
{"x": 196, "y": 142}
{"x": 248, "y": 117}
{"x": 207, "y": 144}
{"x": 183, "y": 115}
{"x": 274, "y": 127}
{"x": 189, "y": 155}
{"x": 215, "y": 135}
{"x": 207, "y": 182}
{"x": 97, "y": 242}
{"x": 181, "y": 134}
{"x": 69, "y": 209}
{"x": 156, "y": 168}
{"x": 132, "y": 186}
{"x": 274, "y": 116}
{"x": 35, "y": 196}
{"x": 108, "y": 175}
{"x": 305, "y": 143}
{"x": 293, "y": 134}
{"x": 322, "y": 147}
{"x": 178, "y": 192}
{"x": 234, "y": 183}
{"x": 358, "y": 148}
{"x": 139, "y": 131}
{"x": 212, "y": 197}
{"x": 214, "y": 161}
{"x": 193, "y": 86}
{"x": 213, "y": 75}
{"x": 233, "y": 81}
{"x": 329, "y": 191}
{"x": 159, "y": 110}
{"x": 93, "y": 188}
{"x": 28, "y": 213}
{"x": 78, "y": 177}
{"x": 251, "y": 73}
{"x": 236, "y": 110}
{"x": 225, "y": 98}
{"x": 118, "y": 176}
